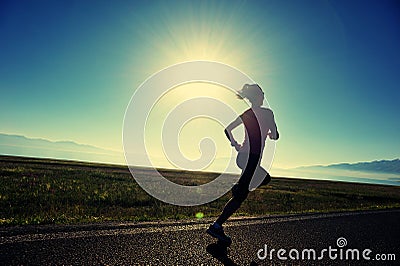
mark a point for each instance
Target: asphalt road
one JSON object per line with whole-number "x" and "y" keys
{"x": 188, "y": 244}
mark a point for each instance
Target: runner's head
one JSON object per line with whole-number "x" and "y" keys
{"x": 253, "y": 93}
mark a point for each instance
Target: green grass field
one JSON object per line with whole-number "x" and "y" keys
{"x": 43, "y": 191}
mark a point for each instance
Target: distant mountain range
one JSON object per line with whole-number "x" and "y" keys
{"x": 384, "y": 166}
{"x": 43, "y": 148}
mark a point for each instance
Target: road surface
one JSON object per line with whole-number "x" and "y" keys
{"x": 187, "y": 244}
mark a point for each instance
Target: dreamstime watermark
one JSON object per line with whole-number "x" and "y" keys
{"x": 333, "y": 253}
{"x": 137, "y": 129}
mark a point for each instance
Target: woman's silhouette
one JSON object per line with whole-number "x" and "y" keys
{"x": 259, "y": 123}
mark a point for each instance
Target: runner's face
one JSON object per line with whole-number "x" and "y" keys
{"x": 259, "y": 100}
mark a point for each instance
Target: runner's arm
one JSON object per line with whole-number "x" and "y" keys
{"x": 228, "y": 132}
{"x": 273, "y": 134}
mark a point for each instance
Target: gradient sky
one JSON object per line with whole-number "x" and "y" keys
{"x": 329, "y": 69}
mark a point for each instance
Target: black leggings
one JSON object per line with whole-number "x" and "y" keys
{"x": 240, "y": 191}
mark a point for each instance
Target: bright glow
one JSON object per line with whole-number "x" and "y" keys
{"x": 194, "y": 131}
{"x": 206, "y": 31}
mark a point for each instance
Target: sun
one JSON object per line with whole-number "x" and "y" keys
{"x": 192, "y": 32}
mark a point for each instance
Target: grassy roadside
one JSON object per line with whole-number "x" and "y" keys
{"x": 41, "y": 191}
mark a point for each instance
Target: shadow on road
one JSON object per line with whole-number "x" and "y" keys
{"x": 220, "y": 252}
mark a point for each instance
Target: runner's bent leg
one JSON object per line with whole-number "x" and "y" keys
{"x": 240, "y": 190}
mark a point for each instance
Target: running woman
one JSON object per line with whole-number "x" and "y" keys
{"x": 259, "y": 124}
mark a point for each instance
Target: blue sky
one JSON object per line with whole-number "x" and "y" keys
{"x": 330, "y": 69}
